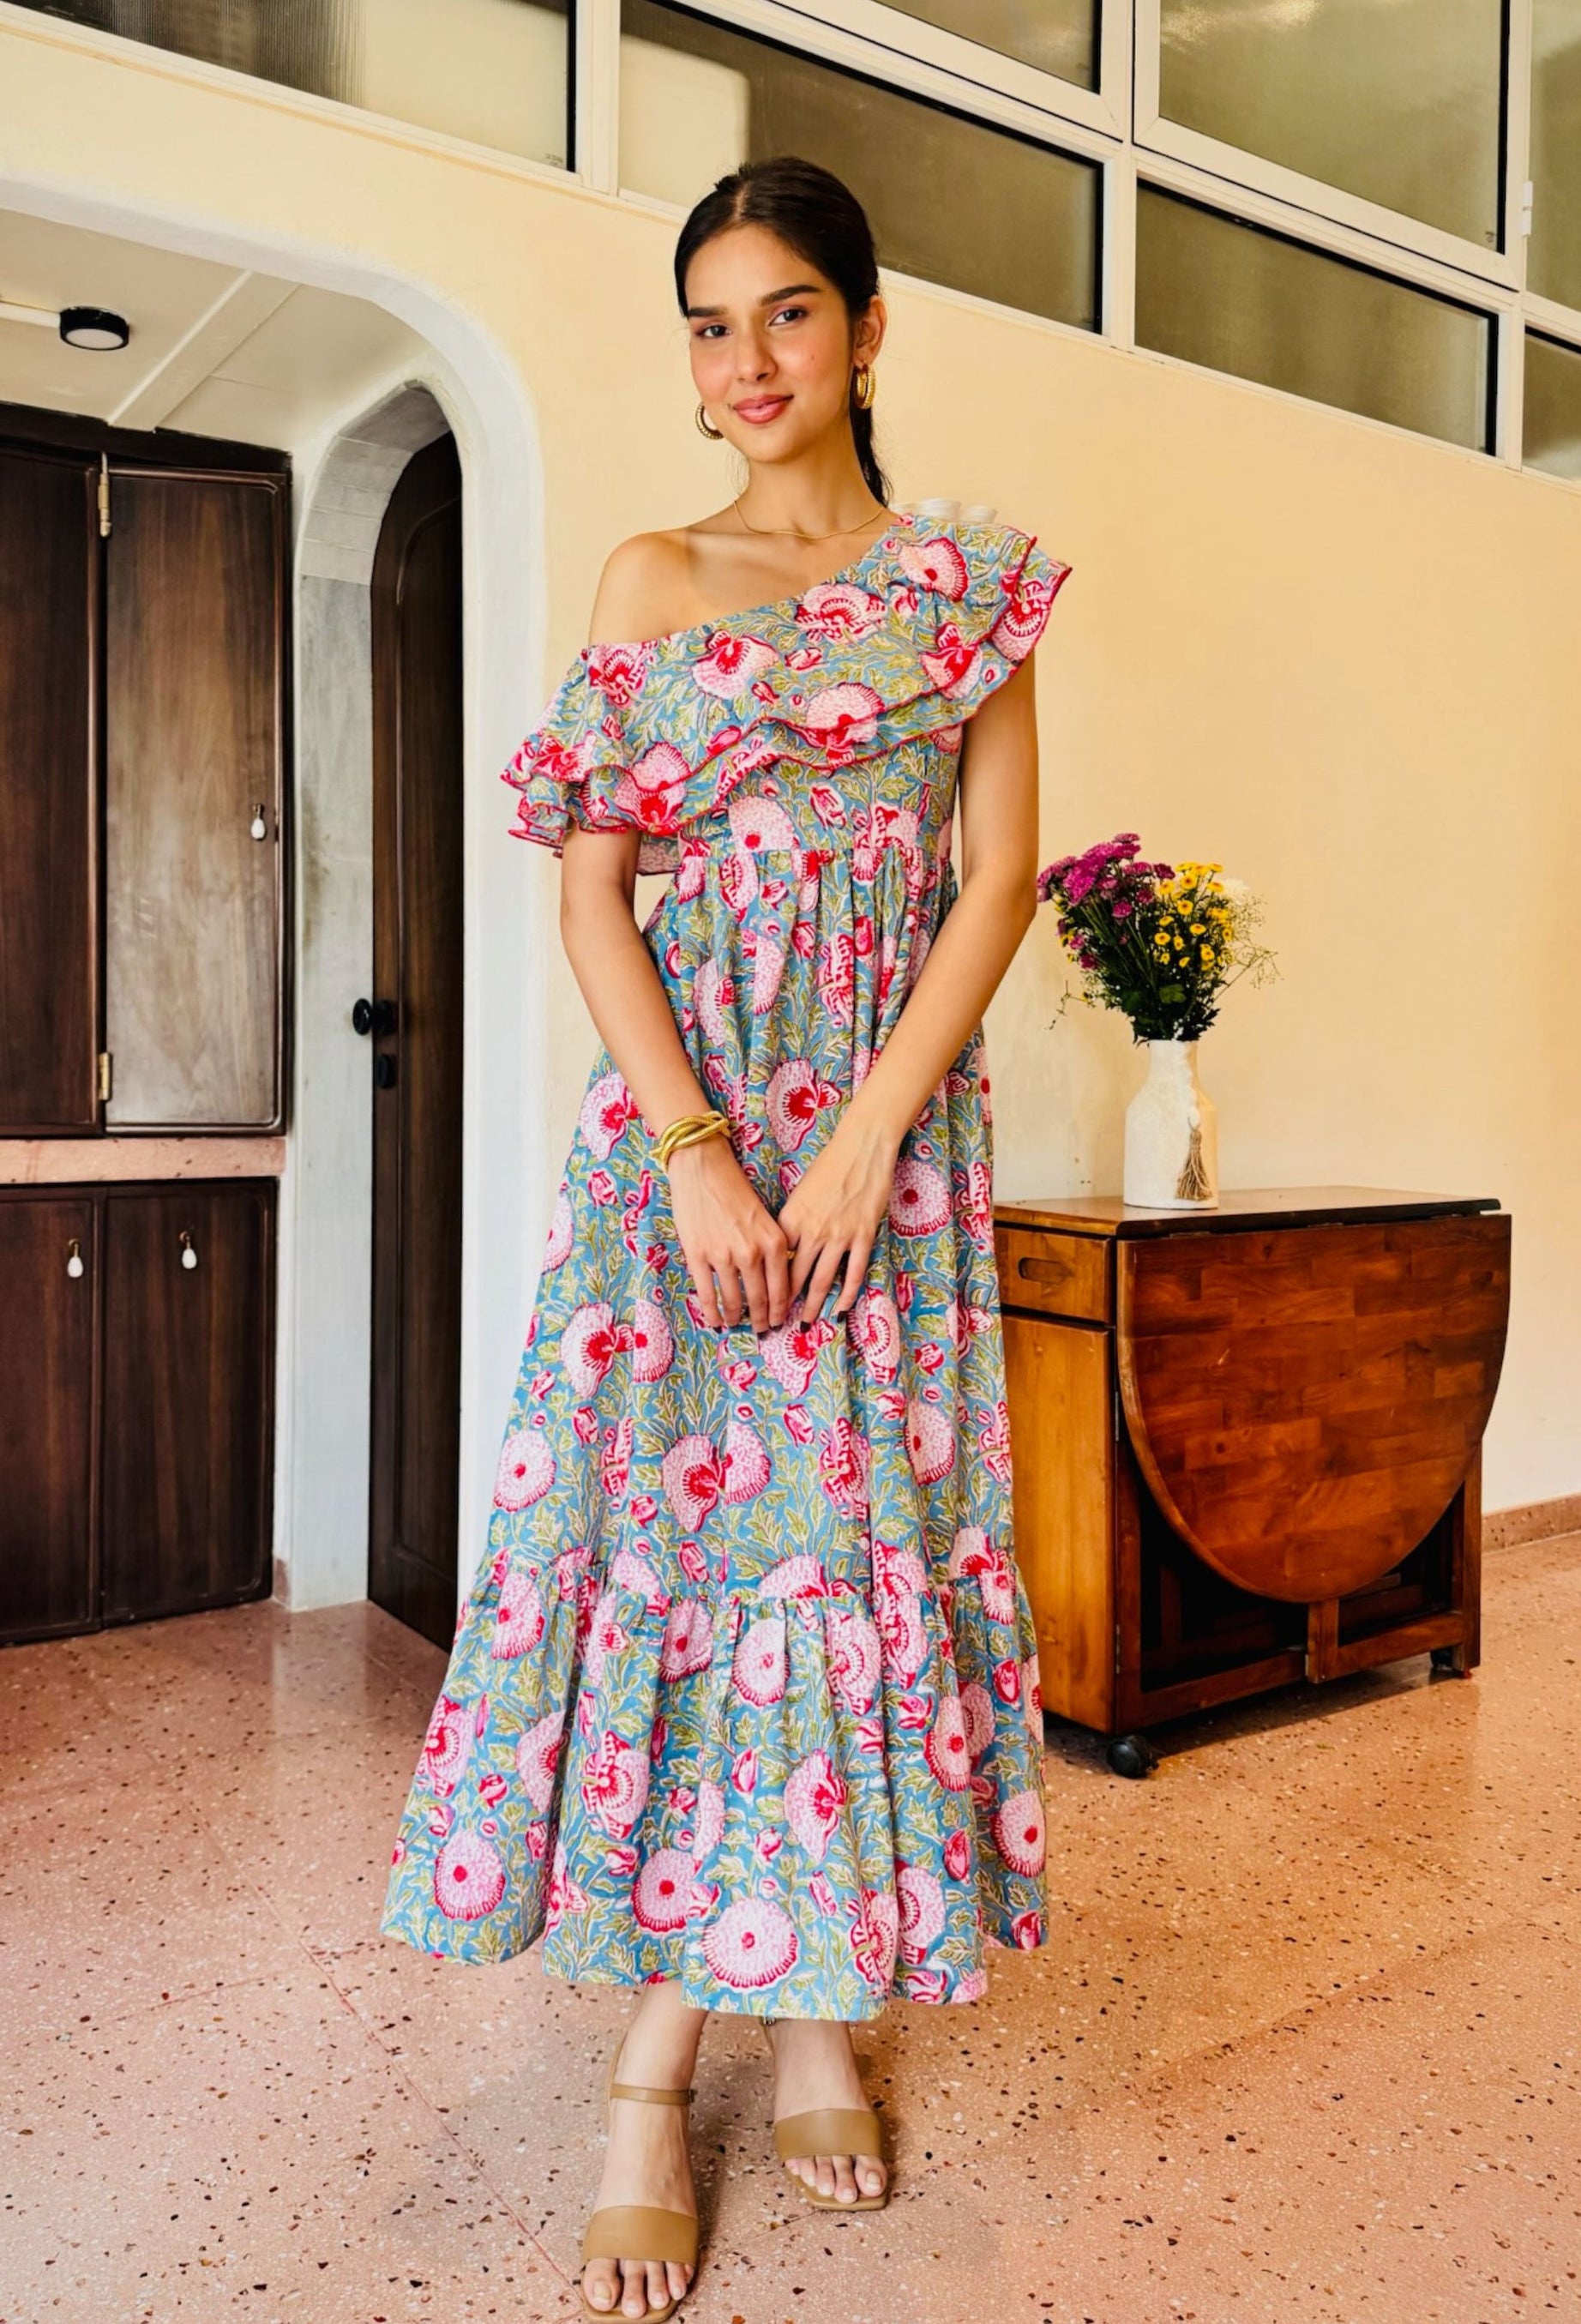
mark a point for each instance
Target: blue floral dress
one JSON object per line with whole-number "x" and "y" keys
{"x": 745, "y": 1693}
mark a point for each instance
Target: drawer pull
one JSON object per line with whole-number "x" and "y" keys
{"x": 1055, "y": 1271}
{"x": 188, "y": 1255}
{"x": 74, "y": 1257}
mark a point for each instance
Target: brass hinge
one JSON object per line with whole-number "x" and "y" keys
{"x": 104, "y": 493}
{"x": 104, "y": 1073}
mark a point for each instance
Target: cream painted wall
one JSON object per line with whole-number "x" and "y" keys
{"x": 1339, "y": 658}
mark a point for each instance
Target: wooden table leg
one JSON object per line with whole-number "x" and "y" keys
{"x": 1322, "y": 1639}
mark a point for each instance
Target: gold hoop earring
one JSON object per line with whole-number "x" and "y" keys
{"x": 704, "y": 428}
{"x": 866, "y": 386}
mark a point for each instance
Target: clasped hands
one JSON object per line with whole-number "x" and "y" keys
{"x": 746, "y": 1263}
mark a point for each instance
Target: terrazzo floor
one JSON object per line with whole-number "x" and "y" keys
{"x": 1303, "y": 2049}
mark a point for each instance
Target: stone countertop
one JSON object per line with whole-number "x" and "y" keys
{"x": 76, "y": 1161}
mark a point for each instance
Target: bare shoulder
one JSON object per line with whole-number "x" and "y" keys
{"x": 645, "y": 579}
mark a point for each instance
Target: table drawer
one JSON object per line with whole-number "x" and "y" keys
{"x": 1057, "y": 1274}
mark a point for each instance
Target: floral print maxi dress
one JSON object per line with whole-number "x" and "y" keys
{"x": 745, "y": 1693}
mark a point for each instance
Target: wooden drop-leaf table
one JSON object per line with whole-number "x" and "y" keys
{"x": 1246, "y": 1442}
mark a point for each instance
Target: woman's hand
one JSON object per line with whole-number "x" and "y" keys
{"x": 724, "y": 1229}
{"x": 835, "y": 1209}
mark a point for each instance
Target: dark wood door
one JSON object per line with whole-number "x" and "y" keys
{"x": 415, "y": 1046}
{"x": 194, "y": 680}
{"x": 47, "y": 1405}
{"x": 188, "y": 1332}
{"x": 49, "y": 864}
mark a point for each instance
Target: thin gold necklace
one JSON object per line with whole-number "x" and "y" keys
{"x": 788, "y": 532}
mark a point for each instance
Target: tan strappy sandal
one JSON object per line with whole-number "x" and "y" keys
{"x": 640, "y": 2230}
{"x": 829, "y": 2130}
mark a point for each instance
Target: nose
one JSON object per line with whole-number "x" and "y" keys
{"x": 753, "y": 360}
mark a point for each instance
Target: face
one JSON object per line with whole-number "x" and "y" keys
{"x": 773, "y": 347}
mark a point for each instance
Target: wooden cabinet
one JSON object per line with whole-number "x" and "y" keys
{"x": 48, "y": 863}
{"x": 48, "y": 1405}
{"x": 1247, "y": 1444}
{"x": 144, "y": 672}
{"x": 136, "y": 1402}
{"x": 194, "y": 730}
{"x": 187, "y": 1340}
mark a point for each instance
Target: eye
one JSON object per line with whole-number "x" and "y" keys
{"x": 798, "y": 311}
{"x": 708, "y": 328}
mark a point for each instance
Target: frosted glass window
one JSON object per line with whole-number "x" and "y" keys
{"x": 1056, "y": 36}
{"x": 1550, "y": 433}
{"x": 1236, "y": 297}
{"x": 495, "y": 72}
{"x": 1399, "y": 103}
{"x": 950, "y": 199}
{"x": 1553, "y": 257}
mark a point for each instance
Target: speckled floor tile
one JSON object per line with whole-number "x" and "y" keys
{"x": 253, "y": 2155}
{"x": 309, "y": 1819}
{"x": 58, "y": 1729}
{"x": 246, "y": 1676}
{"x": 1406, "y": 2154}
{"x": 112, "y": 1898}
{"x": 1334, "y": 1942}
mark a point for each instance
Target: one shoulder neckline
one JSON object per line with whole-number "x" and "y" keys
{"x": 887, "y": 541}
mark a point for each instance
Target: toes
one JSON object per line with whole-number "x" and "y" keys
{"x": 824, "y": 2165}
{"x": 679, "y": 2275}
{"x": 845, "y": 2184}
{"x": 601, "y": 2284}
{"x": 658, "y": 2289}
{"x": 635, "y": 2274}
{"x": 871, "y": 2175}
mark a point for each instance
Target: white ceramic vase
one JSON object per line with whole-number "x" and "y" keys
{"x": 1172, "y": 1135}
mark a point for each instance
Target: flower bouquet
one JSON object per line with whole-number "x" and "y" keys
{"x": 1162, "y": 943}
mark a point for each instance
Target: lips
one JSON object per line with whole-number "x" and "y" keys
{"x": 760, "y": 408}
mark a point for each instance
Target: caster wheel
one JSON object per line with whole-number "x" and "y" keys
{"x": 1131, "y": 1755}
{"x": 1443, "y": 1657}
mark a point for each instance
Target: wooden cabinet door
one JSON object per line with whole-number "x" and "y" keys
{"x": 194, "y": 680}
{"x": 187, "y": 1397}
{"x": 47, "y": 1404}
{"x": 48, "y": 964}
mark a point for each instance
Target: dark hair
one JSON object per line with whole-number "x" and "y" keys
{"x": 818, "y": 216}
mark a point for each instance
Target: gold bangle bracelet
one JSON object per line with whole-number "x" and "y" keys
{"x": 683, "y": 1125}
{"x": 687, "y": 1130}
{"x": 699, "y": 1138}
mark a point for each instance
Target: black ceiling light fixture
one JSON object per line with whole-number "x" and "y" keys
{"x": 94, "y": 327}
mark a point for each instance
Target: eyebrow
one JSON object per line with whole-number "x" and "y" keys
{"x": 770, "y": 297}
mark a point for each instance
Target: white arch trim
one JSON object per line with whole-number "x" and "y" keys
{"x": 509, "y": 1173}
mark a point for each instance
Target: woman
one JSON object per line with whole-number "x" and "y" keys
{"x": 743, "y": 1710}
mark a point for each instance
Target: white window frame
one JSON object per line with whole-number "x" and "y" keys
{"x": 902, "y": 37}
{"x": 1328, "y": 205}
{"x": 1119, "y": 127}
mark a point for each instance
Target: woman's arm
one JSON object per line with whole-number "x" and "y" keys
{"x": 725, "y": 1229}
{"x": 837, "y": 1206}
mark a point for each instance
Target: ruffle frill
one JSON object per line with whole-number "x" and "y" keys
{"x": 858, "y": 1820}
{"x": 656, "y": 735}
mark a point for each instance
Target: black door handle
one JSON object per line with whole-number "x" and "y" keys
{"x": 374, "y": 1016}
